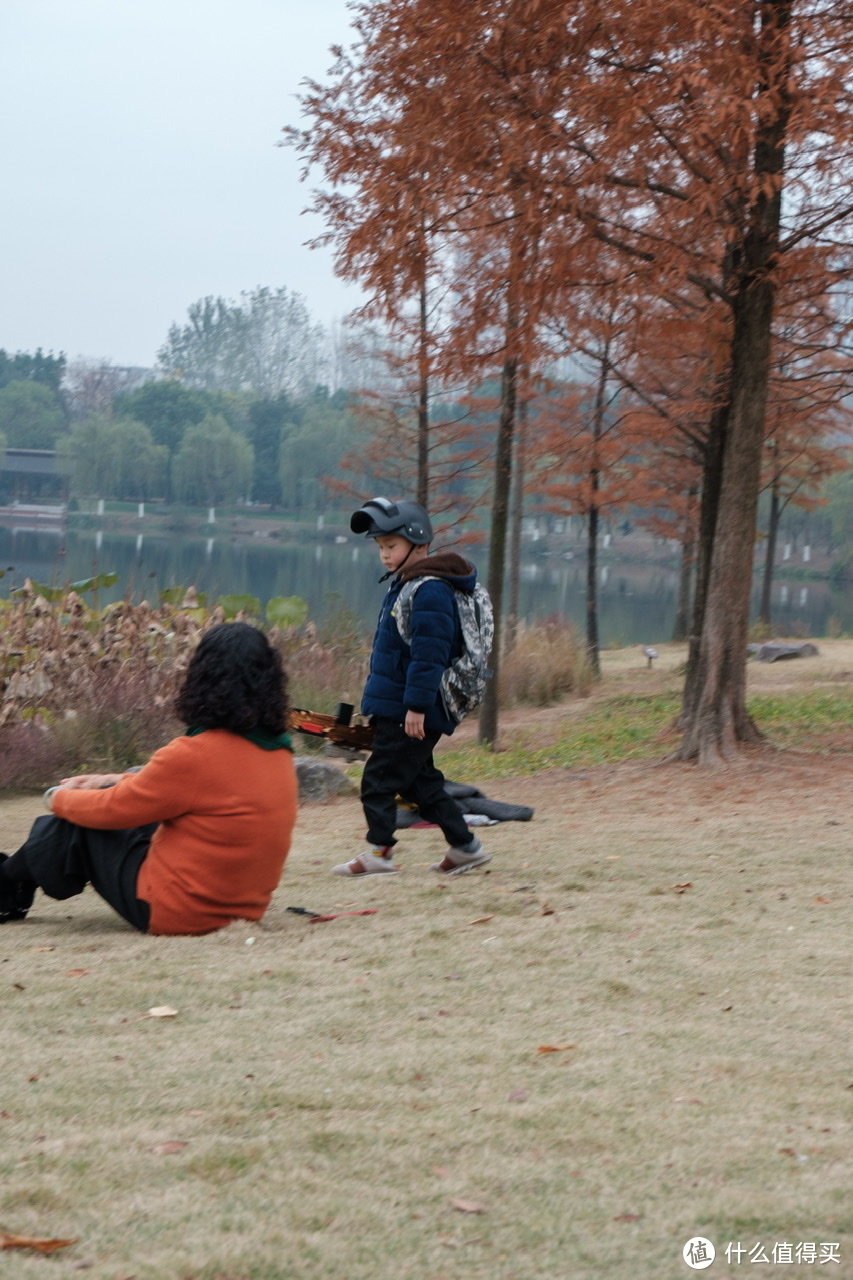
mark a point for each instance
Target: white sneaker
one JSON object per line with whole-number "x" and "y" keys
{"x": 457, "y": 860}
{"x": 369, "y": 863}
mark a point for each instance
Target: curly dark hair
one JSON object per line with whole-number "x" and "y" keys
{"x": 235, "y": 681}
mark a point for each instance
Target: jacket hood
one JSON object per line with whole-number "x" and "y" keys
{"x": 455, "y": 569}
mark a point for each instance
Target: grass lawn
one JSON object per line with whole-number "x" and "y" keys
{"x": 627, "y": 1031}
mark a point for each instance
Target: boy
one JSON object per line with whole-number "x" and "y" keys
{"x": 401, "y": 695}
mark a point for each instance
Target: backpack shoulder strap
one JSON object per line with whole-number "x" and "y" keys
{"x": 401, "y": 610}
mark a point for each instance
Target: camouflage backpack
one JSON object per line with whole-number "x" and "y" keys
{"x": 463, "y": 684}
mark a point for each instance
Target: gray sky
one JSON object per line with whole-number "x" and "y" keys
{"x": 140, "y": 167}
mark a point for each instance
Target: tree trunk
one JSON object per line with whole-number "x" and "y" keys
{"x": 717, "y": 719}
{"x": 770, "y": 553}
{"x": 681, "y": 625}
{"x": 592, "y": 584}
{"x": 594, "y": 475}
{"x": 714, "y": 715}
{"x": 423, "y": 401}
{"x": 712, "y": 479}
{"x": 498, "y": 538}
{"x": 516, "y": 517}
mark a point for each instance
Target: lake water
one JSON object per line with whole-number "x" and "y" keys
{"x": 636, "y": 601}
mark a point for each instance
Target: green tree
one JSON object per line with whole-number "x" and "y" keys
{"x": 36, "y": 367}
{"x": 265, "y": 344}
{"x": 214, "y": 463}
{"x": 312, "y": 446}
{"x": 31, "y": 415}
{"x": 108, "y": 458}
{"x": 166, "y": 407}
{"x": 266, "y": 422}
{"x": 142, "y": 464}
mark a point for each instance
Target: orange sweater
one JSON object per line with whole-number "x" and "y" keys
{"x": 226, "y": 810}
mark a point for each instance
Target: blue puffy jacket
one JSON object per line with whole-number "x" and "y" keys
{"x": 405, "y": 677}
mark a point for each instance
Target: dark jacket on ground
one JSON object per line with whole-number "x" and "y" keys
{"x": 405, "y": 677}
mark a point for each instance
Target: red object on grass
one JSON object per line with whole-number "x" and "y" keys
{"x": 371, "y": 911}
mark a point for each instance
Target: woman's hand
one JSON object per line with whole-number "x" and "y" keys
{"x": 91, "y": 781}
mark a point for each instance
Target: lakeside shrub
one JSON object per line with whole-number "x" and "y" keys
{"x": 83, "y": 688}
{"x": 327, "y": 664}
{"x": 87, "y": 688}
{"x": 30, "y": 756}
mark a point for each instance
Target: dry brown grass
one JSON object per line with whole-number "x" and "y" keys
{"x": 546, "y": 662}
{"x": 366, "y": 1099}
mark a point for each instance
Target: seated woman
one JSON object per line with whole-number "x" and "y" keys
{"x": 198, "y": 837}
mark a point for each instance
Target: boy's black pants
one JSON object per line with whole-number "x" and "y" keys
{"x": 62, "y": 858}
{"x": 402, "y": 766}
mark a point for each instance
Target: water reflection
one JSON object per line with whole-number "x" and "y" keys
{"x": 637, "y": 601}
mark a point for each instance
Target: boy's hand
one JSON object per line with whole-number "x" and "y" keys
{"x": 414, "y": 724}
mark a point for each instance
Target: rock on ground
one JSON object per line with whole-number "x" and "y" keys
{"x": 319, "y": 780}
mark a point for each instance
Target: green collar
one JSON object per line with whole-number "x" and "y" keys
{"x": 266, "y": 741}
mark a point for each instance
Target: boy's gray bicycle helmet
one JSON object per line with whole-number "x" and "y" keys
{"x": 381, "y": 516}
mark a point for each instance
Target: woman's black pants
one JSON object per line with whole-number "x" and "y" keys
{"x": 62, "y": 858}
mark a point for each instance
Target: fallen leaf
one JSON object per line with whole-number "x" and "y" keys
{"x": 468, "y": 1206}
{"x": 628, "y": 1217}
{"x": 30, "y": 1242}
{"x": 682, "y": 888}
{"x": 481, "y": 919}
{"x": 554, "y": 1048}
{"x": 820, "y": 899}
{"x": 162, "y": 1011}
{"x": 75, "y": 973}
{"x": 548, "y": 910}
{"x": 170, "y": 1148}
